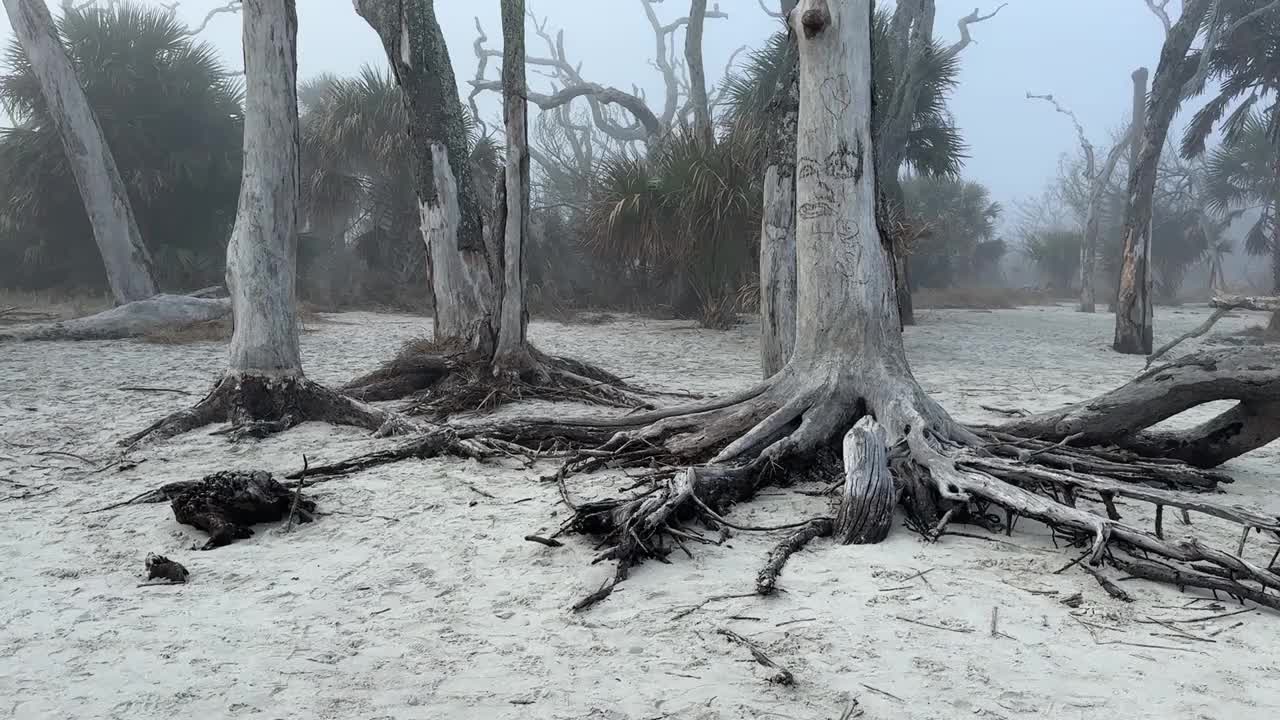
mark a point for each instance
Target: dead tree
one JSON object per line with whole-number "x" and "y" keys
{"x": 264, "y": 389}
{"x": 697, "y": 74}
{"x": 910, "y": 39}
{"x": 647, "y": 124}
{"x": 849, "y": 363}
{"x": 1098, "y": 179}
{"x": 106, "y": 202}
{"x": 480, "y": 355}
{"x": 1134, "y": 303}
{"x": 778, "y": 219}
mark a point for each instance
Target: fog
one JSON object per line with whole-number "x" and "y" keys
{"x": 1082, "y": 51}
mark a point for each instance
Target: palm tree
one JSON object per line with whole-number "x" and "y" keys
{"x": 934, "y": 146}
{"x": 1055, "y": 253}
{"x": 358, "y": 192}
{"x": 1241, "y": 177}
{"x": 691, "y": 213}
{"x": 171, "y": 113}
{"x": 1245, "y": 61}
{"x": 958, "y": 222}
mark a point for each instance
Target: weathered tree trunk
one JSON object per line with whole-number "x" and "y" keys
{"x": 849, "y": 363}
{"x": 777, "y": 271}
{"x": 1137, "y": 136}
{"x": 866, "y": 481}
{"x": 512, "y": 351}
{"x": 1122, "y": 417}
{"x": 106, "y": 202}
{"x": 778, "y": 221}
{"x": 697, "y": 74}
{"x": 465, "y": 307}
{"x": 477, "y": 262}
{"x": 1093, "y": 222}
{"x": 1134, "y": 306}
{"x": 261, "y": 267}
{"x": 264, "y": 389}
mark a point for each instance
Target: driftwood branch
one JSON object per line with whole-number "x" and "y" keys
{"x": 963, "y": 23}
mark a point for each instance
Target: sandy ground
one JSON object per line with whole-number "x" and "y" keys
{"x": 419, "y": 599}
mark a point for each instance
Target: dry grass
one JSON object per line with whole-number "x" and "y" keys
{"x": 219, "y": 331}
{"x": 18, "y": 306}
{"x": 979, "y": 298}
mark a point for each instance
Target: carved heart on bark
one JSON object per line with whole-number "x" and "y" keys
{"x": 836, "y": 95}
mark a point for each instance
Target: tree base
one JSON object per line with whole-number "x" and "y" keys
{"x": 258, "y": 406}
{"x": 943, "y": 473}
{"x": 441, "y": 379}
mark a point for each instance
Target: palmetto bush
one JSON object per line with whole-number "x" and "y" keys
{"x": 171, "y": 114}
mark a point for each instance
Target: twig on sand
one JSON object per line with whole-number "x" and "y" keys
{"x": 63, "y": 453}
{"x": 878, "y": 691}
{"x": 132, "y": 388}
{"x": 1112, "y": 589}
{"x": 935, "y": 627}
{"x": 297, "y": 495}
{"x": 544, "y": 541}
{"x": 782, "y": 676}
{"x": 480, "y": 492}
{"x": 714, "y": 598}
{"x": 1010, "y": 411}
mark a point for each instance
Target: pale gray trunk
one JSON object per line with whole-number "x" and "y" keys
{"x": 513, "y": 318}
{"x": 777, "y": 271}
{"x": 1133, "y": 333}
{"x": 106, "y": 202}
{"x": 460, "y": 279}
{"x": 261, "y": 269}
{"x": 452, "y": 224}
{"x": 844, "y": 282}
{"x": 697, "y": 73}
{"x": 1093, "y": 222}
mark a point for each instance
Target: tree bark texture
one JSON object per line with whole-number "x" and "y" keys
{"x": 777, "y": 271}
{"x": 514, "y": 318}
{"x": 1134, "y": 305}
{"x": 261, "y": 268}
{"x": 106, "y": 202}
{"x": 451, "y": 210}
{"x": 697, "y": 73}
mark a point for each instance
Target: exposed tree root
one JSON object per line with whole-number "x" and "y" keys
{"x": 1122, "y": 417}
{"x": 944, "y": 472}
{"x": 257, "y": 406}
{"x": 140, "y": 317}
{"x": 441, "y": 379}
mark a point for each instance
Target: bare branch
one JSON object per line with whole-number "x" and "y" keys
{"x": 231, "y": 7}
{"x": 1162, "y": 12}
{"x": 771, "y": 13}
{"x": 1090, "y": 158}
{"x": 605, "y": 95}
{"x": 965, "y": 38}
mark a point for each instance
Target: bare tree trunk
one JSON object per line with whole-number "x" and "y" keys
{"x": 849, "y": 363}
{"x": 261, "y": 267}
{"x": 777, "y": 271}
{"x": 697, "y": 75}
{"x": 106, "y": 202}
{"x": 465, "y": 307}
{"x": 477, "y": 262}
{"x": 512, "y": 351}
{"x": 778, "y": 220}
{"x": 264, "y": 389}
{"x": 1137, "y": 270}
{"x": 1134, "y": 306}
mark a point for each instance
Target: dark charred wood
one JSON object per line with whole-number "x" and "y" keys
{"x": 226, "y": 504}
{"x": 161, "y": 567}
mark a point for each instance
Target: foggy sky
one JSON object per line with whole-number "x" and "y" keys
{"x": 1082, "y": 51}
